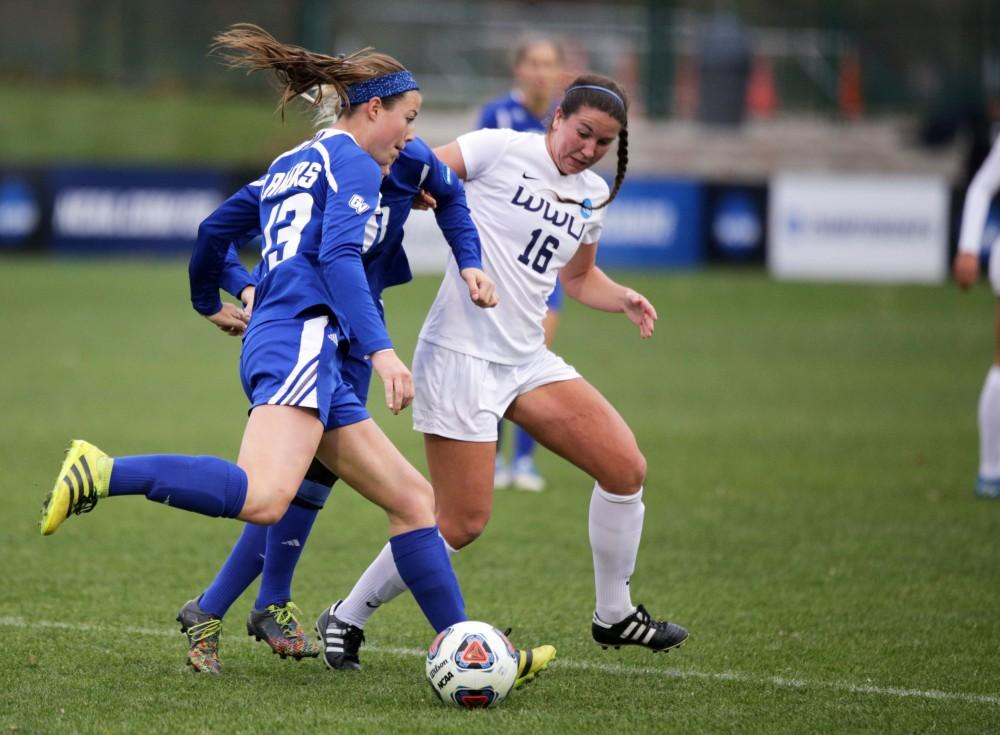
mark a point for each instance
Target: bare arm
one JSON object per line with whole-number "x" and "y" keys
{"x": 974, "y": 212}
{"x": 482, "y": 290}
{"x": 588, "y": 284}
{"x": 451, "y": 155}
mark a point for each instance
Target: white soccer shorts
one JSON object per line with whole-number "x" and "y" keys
{"x": 460, "y": 396}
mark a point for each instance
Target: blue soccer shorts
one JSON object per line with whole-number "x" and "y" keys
{"x": 296, "y": 362}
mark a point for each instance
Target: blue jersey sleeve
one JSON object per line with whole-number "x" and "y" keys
{"x": 452, "y": 214}
{"x": 214, "y": 263}
{"x": 345, "y": 220}
{"x": 488, "y": 116}
{"x": 234, "y": 277}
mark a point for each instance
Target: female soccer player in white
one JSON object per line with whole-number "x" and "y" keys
{"x": 314, "y": 206}
{"x": 539, "y": 211}
{"x": 983, "y": 187}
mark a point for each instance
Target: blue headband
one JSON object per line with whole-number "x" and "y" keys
{"x": 383, "y": 86}
{"x": 599, "y": 89}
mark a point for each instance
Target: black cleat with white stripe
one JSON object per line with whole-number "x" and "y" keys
{"x": 341, "y": 641}
{"x": 638, "y": 629}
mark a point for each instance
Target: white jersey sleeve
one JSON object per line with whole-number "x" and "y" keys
{"x": 595, "y": 226}
{"x": 531, "y": 220}
{"x": 483, "y": 149}
{"x": 977, "y": 201}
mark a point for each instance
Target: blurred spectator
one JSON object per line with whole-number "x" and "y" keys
{"x": 723, "y": 70}
{"x": 537, "y": 73}
{"x": 975, "y": 211}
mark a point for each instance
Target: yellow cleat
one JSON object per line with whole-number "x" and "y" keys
{"x": 530, "y": 663}
{"x": 83, "y": 478}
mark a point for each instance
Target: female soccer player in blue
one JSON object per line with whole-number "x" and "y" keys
{"x": 273, "y": 552}
{"x": 314, "y": 206}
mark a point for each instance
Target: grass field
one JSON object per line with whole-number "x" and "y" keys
{"x": 809, "y": 517}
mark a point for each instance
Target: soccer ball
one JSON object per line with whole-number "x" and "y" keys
{"x": 471, "y": 664}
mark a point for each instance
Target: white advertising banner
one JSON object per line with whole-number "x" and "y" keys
{"x": 846, "y": 227}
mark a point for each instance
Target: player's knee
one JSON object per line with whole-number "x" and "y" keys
{"x": 266, "y": 503}
{"x": 627, "y": 476}
{"x": 638, "y": 476}
{"x": 413, "y": 506}
{"x": 263, "y": 515}
{"x": 463, "y": 530}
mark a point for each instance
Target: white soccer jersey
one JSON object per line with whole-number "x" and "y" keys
{"x": 977, "y": 201}
{"x": 527, "y": 235}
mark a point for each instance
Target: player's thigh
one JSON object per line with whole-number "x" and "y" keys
{"x": 277, "y": 448}
{"x": 462, "y": 476}
{"x": 362, "y": 455}
{"x": 573, "y": 419}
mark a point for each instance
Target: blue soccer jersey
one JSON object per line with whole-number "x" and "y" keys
{"x": 383, "y": 258}
{"x": 418, "y": 168}
{"x": 509, "y": 111}
{"x": 317, "y": 210}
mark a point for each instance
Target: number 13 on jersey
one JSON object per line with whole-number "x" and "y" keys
{"x": 284, "y": 228}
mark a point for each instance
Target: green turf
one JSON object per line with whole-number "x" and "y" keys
{"x": 809, "y": 516}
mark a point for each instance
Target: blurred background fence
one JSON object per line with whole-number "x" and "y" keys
{"x": 727, "y": 96}
{"x": 829, "y": 57}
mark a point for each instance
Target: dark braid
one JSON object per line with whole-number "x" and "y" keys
{"x": 622, "y": 165}
{"x": 608, "y": 98}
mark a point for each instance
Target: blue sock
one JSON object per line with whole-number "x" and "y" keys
{"x": 524, "y": 445}
{"x": 206, "y": 485}
{"x": 241, "y": 568}
{"x": 425, "y": 568}
{"x": 285, "y": 541}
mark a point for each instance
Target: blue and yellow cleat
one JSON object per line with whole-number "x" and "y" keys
{"x": 987, "y": 488}
{"x": 531, "y": 663}
{"x": 82, "y": 480}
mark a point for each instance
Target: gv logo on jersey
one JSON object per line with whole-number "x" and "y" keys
{"x": 358, "y": 204}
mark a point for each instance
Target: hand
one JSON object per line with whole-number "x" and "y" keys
{"x": 482, "y": 290}
{"x": 247, "y": 296}
{"x": 640, "y": 312}
{"x": 395, "y": 378}
{"x": 424, "y": 201}
{"x": 231, "y": 319}
{"x": 966, "y": 269}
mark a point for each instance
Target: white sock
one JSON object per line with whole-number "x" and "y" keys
{"x": 379, "y": 584}
{"x": 989, "y": 426}
{"x": 615, "y": 530}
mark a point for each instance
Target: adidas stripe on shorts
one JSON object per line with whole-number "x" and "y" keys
{"x": 295, "y": 362}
